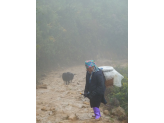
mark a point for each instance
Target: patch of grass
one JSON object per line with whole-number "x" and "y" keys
{"x": 112, "y": 120}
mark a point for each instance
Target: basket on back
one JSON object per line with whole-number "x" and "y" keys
{"x": 112, "y": 76}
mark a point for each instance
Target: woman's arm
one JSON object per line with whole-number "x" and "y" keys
{"x": 86, "y": 85}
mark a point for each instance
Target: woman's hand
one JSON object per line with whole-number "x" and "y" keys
{"x": 92, "y": 94}
{"x": 86, "y": 95}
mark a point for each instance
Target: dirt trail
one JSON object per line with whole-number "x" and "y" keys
{"x": 61, "y": 103}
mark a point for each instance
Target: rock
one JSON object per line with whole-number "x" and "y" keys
{"x": 106, "y": 112}
{"x": 50, "y": 113}
{"x": 44, "y": 109}
{"x": 37, "y": 113}
{"x": 64, "y": 116}
{"x": 73, "y": 92}
{"x": 37, "y": 119}
{"x": 65, "y": 121}
{"x": 124, "y": 121}
{"x": 115, "y": 102}
{"x": 101, "y": 109}
{"x": 114, "y": 121}
{"x": 77, "y": 105}
{"x": 83, "y": 106}
{"x": 44, "y": 86}
{"x": 72, "y": 117}
{"x": 87, "y": 103}
{"x": 120, "y": 112}
{"x": 38, "y": 103}
{"x": 52, "y": 109}
{"x": 122, "y": 117}
{"x": 49, "y": 122}
{"x": 106, "y": 119}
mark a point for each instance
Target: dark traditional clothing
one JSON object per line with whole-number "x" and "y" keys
{"x": 95, "y": 87}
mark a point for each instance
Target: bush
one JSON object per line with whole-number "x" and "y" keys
{"x": 119, "y": 95}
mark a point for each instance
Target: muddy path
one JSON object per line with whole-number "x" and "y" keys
{"x": 60, "y": 103}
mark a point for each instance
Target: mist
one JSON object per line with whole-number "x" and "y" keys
{"x": 68, "y": 32}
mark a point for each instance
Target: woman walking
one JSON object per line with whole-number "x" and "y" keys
{"x": 95, "y": 87}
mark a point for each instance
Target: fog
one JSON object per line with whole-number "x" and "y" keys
{"x": 68, "y": 32}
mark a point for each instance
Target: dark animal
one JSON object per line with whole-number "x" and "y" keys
{"x": 64, "y": 77}
{"x": 67, "y": 77}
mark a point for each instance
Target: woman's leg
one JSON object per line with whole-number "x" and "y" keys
{"x": 97, "y": 113}
{"x": 94, "y": 112}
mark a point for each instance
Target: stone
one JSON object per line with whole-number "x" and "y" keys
{"x": 84, "y": 106}
{"x": 72, "y": 117}
{"x": 64, "y": 116}
{"x": 124, "y": 121}
{"x": 87, "y": 103}
{"x": 44, "y": 86}
{"x": 118, "y": 111}
{"x": 44, "y": 109}
{"x": 49, "y": 122}
{"x": 52, "y": 109}
{"x": 106, "y": 112}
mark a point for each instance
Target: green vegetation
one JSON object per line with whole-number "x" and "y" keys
{"x": 69, "y": 32}
{"x": 120, "y": 94}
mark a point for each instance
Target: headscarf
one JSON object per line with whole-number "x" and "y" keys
{"x": 91, "y": 63}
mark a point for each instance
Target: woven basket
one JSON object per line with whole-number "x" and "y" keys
{"x": 109, "y": 83}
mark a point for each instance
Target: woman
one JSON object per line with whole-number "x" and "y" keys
{"x": 95, "y": 87}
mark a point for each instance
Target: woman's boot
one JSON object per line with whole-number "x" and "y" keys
{"x": 97, "y": 113}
